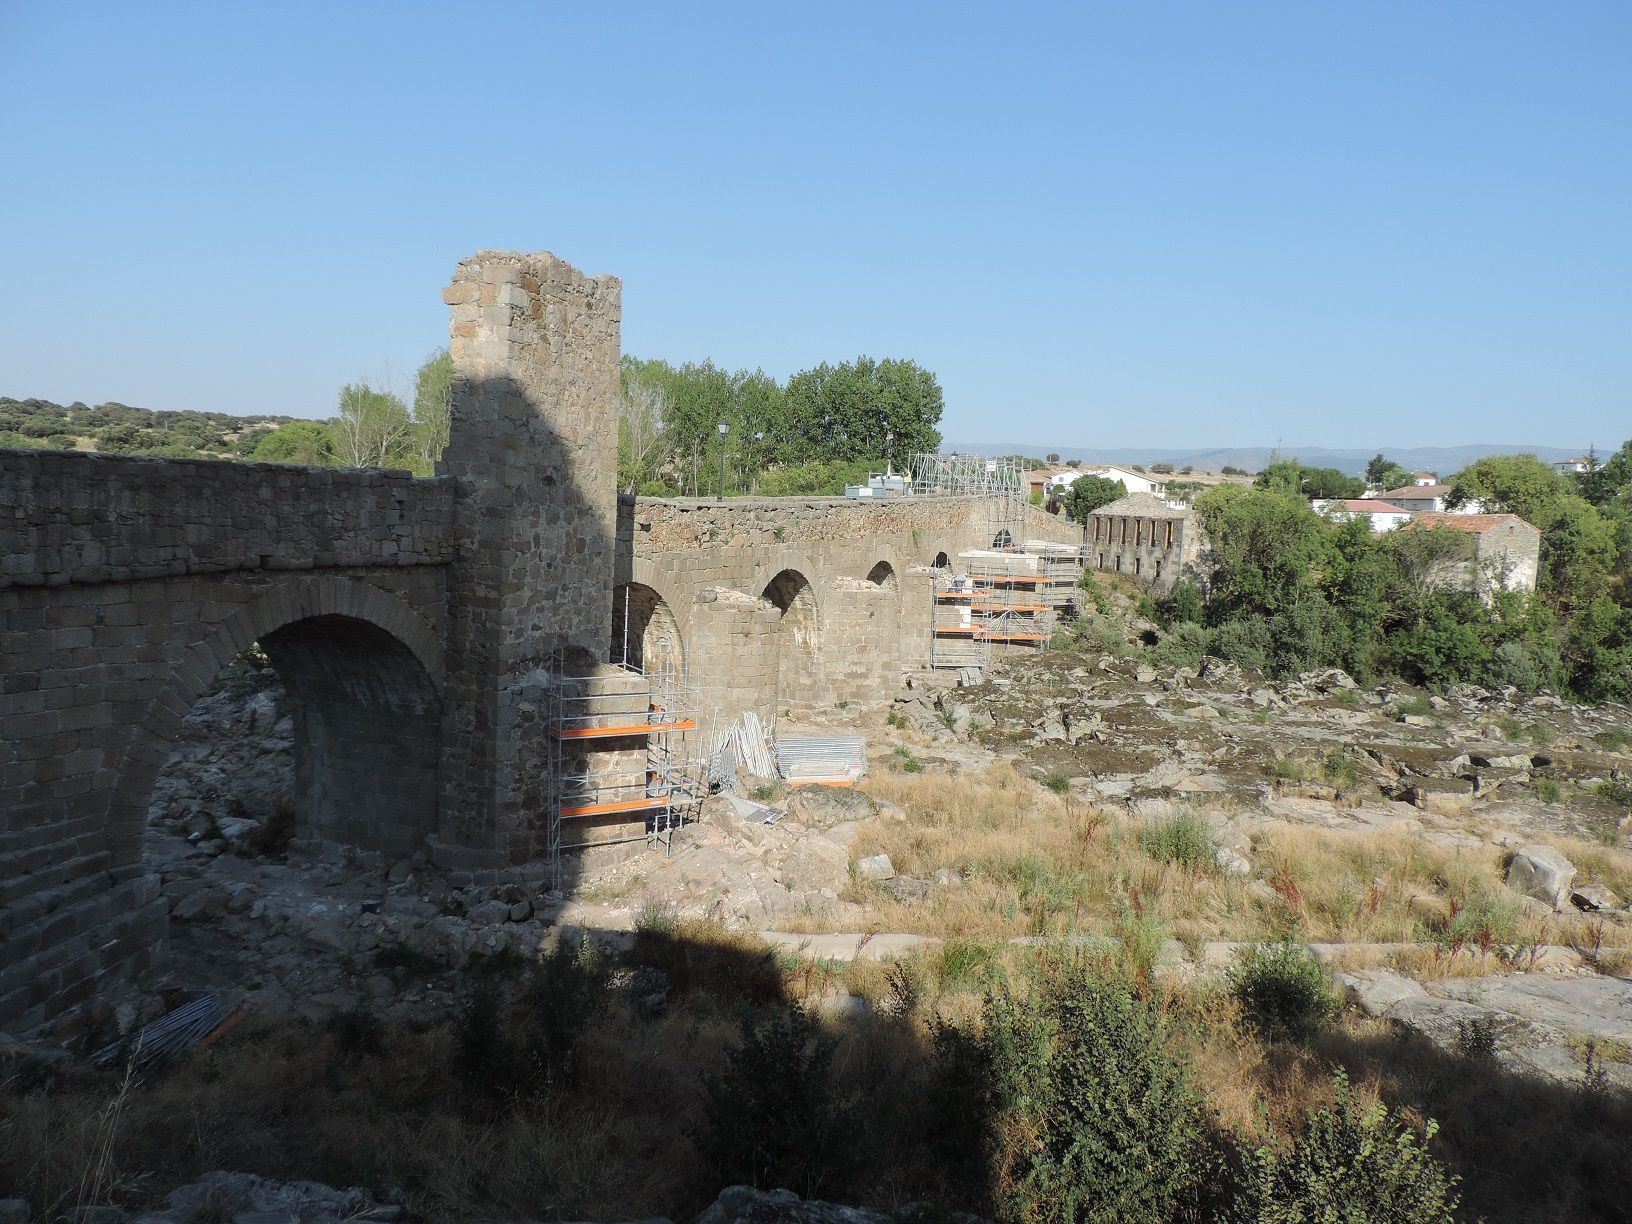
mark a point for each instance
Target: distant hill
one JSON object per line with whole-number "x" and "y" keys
{"x": 1441, "y": 459}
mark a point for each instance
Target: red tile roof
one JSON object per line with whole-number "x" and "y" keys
{"x": 1474, "y": 524}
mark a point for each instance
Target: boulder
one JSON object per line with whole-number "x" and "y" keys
{"x": 1232, "y": 863}
{"x": 827, "y": 805}
{"x": 1376, "y": 991}
{"x": 1541, "y": 872}
{"x": 1592, "y": 897}
{"x": 814, "y": 864}
{"x": 946, "y": 877}
{"x": 875, "y": 867}
{"x": 745, "y": 1205}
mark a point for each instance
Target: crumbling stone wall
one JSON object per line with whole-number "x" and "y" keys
{"x": 1143, "y": 538}
{"x": 533, "y": 448}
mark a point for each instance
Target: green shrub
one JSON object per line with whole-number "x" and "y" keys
{"x": 1058, "y": 783}
{"x": 1094, "y": 1119}
{"x": 1284, "y": 990}
{"x": 1616, "y": 792}
{"x": 1181, "y": 839}
{"x": 771, "y": 1117}
{"x": 1351, "y": 1167}
{"x": 1183, "y": 646}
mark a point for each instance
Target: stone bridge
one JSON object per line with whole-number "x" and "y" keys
{"x": 410, "y": 619}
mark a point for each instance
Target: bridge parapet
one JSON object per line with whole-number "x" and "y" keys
{"x": 88, "y": 518}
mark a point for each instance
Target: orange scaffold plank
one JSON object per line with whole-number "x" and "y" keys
{"x": 684, "y": 724}
{"x": 621, "y": 805}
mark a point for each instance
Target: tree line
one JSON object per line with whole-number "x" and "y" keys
{"x": 1289, "y": 590}
{"x": 821, "y": 429}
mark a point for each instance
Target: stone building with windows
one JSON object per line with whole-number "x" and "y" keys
{"x": 1505, "y": 551}
{"x": 1145, "y": 538}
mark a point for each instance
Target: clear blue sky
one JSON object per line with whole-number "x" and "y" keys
{"x": 1100, "y": 224}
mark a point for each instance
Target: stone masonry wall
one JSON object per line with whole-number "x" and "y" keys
{"x": 534, "y": 448}
{"x": 716, "y": 567}
{"x": 126, "y": 584}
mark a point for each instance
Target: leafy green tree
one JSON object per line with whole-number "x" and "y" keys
{"x": 1086, "y": 494}
{"x": 1383, "y": 473}
{"x": 642, "y": 432}
{"x": 309, "y": 443}
{"x": 433, "y": 408}
{"x": 373, "y": 428}
{"x": 846, "y": 411}
{"x": 1267, "y": 549}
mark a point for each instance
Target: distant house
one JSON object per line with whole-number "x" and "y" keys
{"x": 1145, "y": 538}
{"x": 1418, "y": 498}
{"x": 1384, "y": 516}
{"x": 1133, "y": 482}
{"x": 1506, "y": 550}
{"x": 1573, "y": 467}
{"x": 1424, "y": 478}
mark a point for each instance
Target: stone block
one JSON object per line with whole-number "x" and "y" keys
{"x": 1543, "y": 873}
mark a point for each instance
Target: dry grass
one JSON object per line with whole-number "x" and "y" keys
{"x": 1038, "y": 863}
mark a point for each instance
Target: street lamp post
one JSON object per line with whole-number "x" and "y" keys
{"x": 723, "y": 427}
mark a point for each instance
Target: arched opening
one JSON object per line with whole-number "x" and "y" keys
{"x": 942, "y": 561}
{"x": 329, "y": 729}
{"x": 645, "y": 634}
{"x": 1002, "y": 539}
{"x": 796, "y": 637}
{"x": 883, "y": 575}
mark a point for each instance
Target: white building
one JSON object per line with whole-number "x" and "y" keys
{"x": 1384, "y": 516}
{"x": 1573, "y": 467}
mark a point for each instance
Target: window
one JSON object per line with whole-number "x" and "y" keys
{"x": 1158, "y": 569}
{"x": 1138, "y": 565}
{"x": 1169, "y": 534}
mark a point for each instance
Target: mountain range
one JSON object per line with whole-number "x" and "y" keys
{"x": 1441, "y": 459}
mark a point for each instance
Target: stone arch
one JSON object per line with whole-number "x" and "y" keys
{"x": 942, "y": 561}
{"x": 883, "y": 575}
{"x": 1003, "y": 538}
{"x": 364, "y": 673}
{"x": 798, "y": 654}
{"x": 645, "y": 632}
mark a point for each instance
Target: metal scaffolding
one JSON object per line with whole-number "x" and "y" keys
{"x": 626, "y": 759}
{"x": 1000, "y": 484}
{"x": 1009, "y": 596}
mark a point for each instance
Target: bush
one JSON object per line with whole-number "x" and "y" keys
{"x": 772, "y": 1119}
{"x": 1180, "y": 839}
{"x": 1284, "y": 991}
{"x": 1184, "y": 646}
{"x": 1351, "y": 1167}
{"x": 1094, "y": 1118}
{"x": 1245, "y": 641}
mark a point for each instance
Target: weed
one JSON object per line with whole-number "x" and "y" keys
{"x": 1548, "y": 790}
{"x": 1284, "y": 990}
{"x": 1616, "y": 739}
{"x": 1181, "y": 839}
{"x": 1096, "y": 1119}
{"x": 964, "y": 962}
{"x": 1058, "y": 783}
{"x": 895, "y": 720}
{"x": 1352, "y": 1165}
{"x": 772, "y": 1118}
{"x": 1340, "y": 770}
{"x": 1476, "y": 1038}
{"x": 1616, "y": 791}
{"x": 1417, "y": 706}
{"x": 1287, "y": 769}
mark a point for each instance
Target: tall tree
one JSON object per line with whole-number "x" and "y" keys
{"x": 642, "y": 432}
{"x": 856, "y": 409}
{"x": 373, "y": 428}
{"x": 433, "y": 403}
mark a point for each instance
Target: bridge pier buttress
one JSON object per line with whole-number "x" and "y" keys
{"x": 534, "y": 451}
